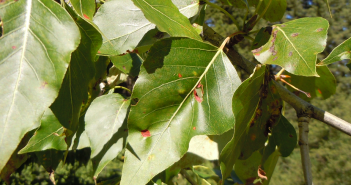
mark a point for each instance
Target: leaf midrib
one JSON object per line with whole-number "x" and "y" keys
{"x": 179, "y": 107}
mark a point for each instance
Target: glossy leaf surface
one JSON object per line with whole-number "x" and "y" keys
{"x": 294, "y": 45}
{"x": 35, "y": 53}
{"x": 74, "y": 91}
{"x": 107, "y": 132}
{"x": 133, "y": 22}
{"x": 48, "y": 136}
{"x": 341, "y": 52}
{"x": 189, "y": 97}
{"x": 167, "y": 18}
{"x": 323, "y": 86}
{"x": 128, "y": 64}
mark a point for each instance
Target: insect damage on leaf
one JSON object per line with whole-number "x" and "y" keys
{"x": 145, "y": 133}
{"x": 199, "y": 92}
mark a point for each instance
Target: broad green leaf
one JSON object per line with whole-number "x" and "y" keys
{"x": 285, "y": 137}
{"x": 74, "y": 91}
{"x": 129, "y": 63}
{"x": 16, "y": 160}
{"x": 341, "y": 52}
{"x": 167, "y": 18}
{"x": 245, "y": 101}
{"x": 167, "y": 108}
{"x": 133, "y": 22}
{"x": 84, "y": 8}
{"x": 275, "y": 11}
{"x": 38, "y": 39}
{"x": 106, "y": 129}
{"x": 80, "y": 139}
{"x": 204, "y": 147}
{"x": 262, "y": 37}
{"x": 48, "y": 136}
{"x": 49, "y": 159}
{"x": 294, "y": 45}
{"x": 323, "y": 86}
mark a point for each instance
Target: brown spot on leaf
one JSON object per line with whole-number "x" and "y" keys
{"x": 257, "y": 50}
{"x": 145, "y": 133}
{"x": 180, "y": 75}
{"x": 124, "y": 67}
{"x": 290, "y": 135}
{"x": 290, "y": 53}
{"x": 194, "y": 128}
{"x": 43, "y": 85}
{"x": 283, "y": 25}
{"x": 320, "y": 92}
{"x": 319, "y": 29}
{"x": 294, "y": 34}
{"x": 275, "y": 58}
{"x": 261, "y": 173}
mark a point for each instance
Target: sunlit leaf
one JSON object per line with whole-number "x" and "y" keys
{"x": 341, "y": 52}
{"x": 166, "y": 109}
{"x": 85, "y": 9}
{"x": 323, "y": 86}
{"x": 34, "y": 55}
{"x": 106, "y": 129}
{"x": 133, "y": 22}
{"x": 74, "y": 91}
{"x": 167, "y": 18}
{"x": 294, "y": 45}
{"x": 48, "y": 136}
{"x": 262, "y": 37}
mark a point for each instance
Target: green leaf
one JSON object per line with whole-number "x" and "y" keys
{"x": 48, "y": 136}
{"x": 113, "y": 181}
{"x": 167, "y": 18}
{"x": 16, "y": 160}
{"x": 74, "y": 91}
{"x": 84, "y": 8}
{"x": 106, "y": 129}
{"x": 349, "y": 65}
{"x": 275, "y": 11}
{"x": 294, "y": 45}
{"x": 262, "y": 37}
{"x": 34, "y": 55}
{"x": 341, "y": 52}
{"x": 129, "y": 63}
{"x": 49, "y": 159}
{"x": 323, "y": 86}
{"x": 166, "y": 109}
{"x": 285, "y": 137}
{"x": 256, "y": 107}
{"x": 133, "y": 22}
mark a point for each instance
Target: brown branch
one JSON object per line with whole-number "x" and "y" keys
{"x": 302, "y": 107}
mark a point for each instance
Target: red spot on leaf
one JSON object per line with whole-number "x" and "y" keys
{"x": 320, "y": 92}
{"x": 85, "y": 16}
{"x": 124, "y": 67}
{"x": 179, "y": 75}
{"x": 253, "y": 137}
{"x": 257, "y": 54}
{"x": 43, "y": 85}
{"x": 194, "y": 128}
{"x": 145, "y": 133}
{"x": 13, "y": 47}
{"x": 198, "y": 99}
{"x": 294, "y": 34}
{"x": 290, "y": 135}
{"x": 99, "y": 51}
{"x": 319, "y": 29}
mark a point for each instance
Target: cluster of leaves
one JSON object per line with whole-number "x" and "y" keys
{"x": 54, "y": 60}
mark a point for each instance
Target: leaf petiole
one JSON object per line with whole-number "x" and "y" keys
{"x": 306, "y": 93}
{"x": 124, "y": 88}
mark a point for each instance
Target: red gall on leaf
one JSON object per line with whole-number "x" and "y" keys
{"x": 145, "y": 133}
{"x": 85, "y": 16}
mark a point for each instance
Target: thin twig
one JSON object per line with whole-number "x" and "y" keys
{"x": 225, "y": 12}
{"x": 304, "y": 149}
